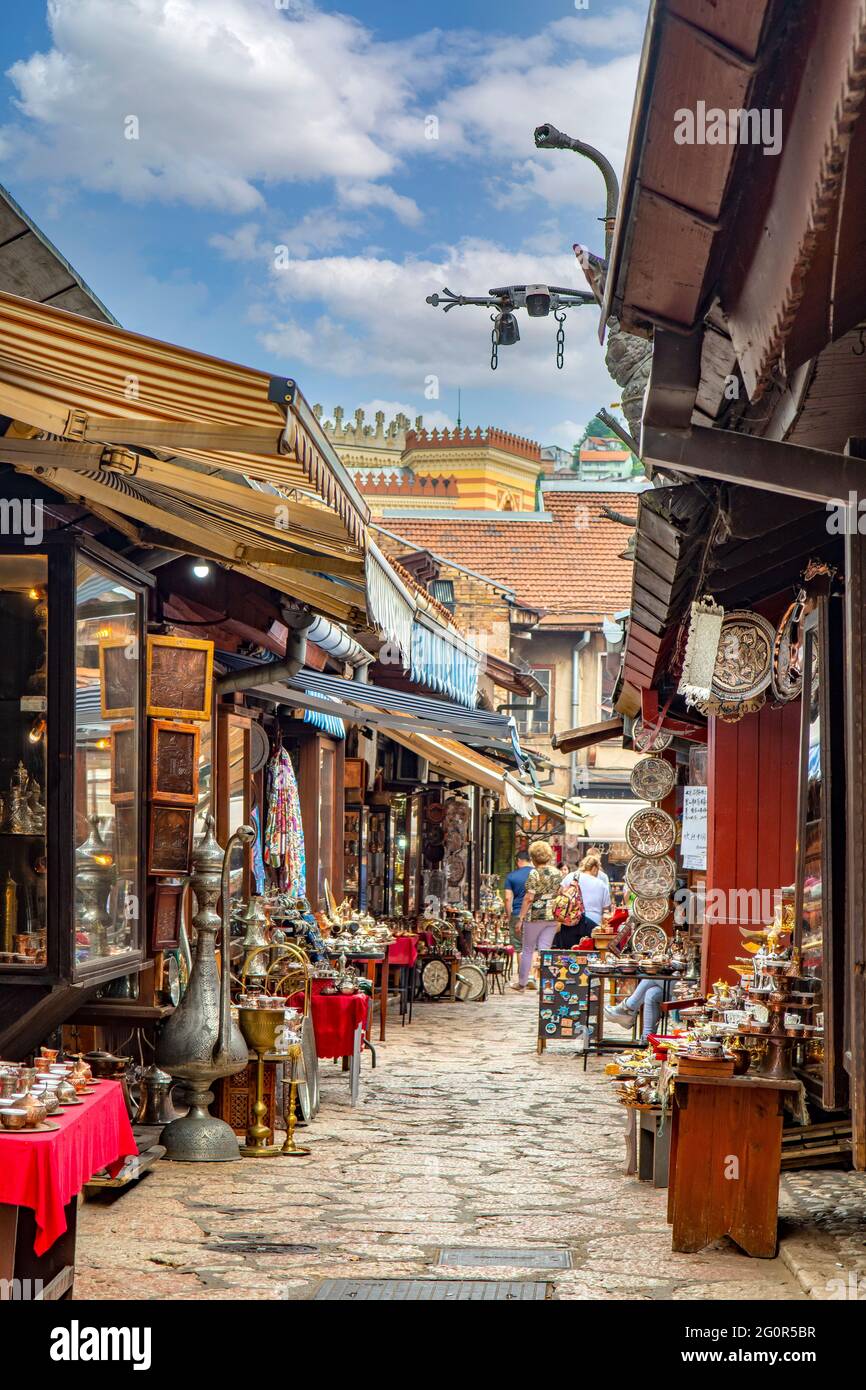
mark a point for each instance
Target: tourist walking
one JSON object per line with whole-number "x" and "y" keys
{"x": 595, "y": 887}
{"x": 536, "y": 926}
{"x": 515, "y": 888}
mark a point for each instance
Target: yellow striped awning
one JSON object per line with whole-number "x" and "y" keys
{"x": 90, "y": 382}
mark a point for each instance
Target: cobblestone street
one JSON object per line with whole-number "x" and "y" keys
{"x": 463, "y": 1136}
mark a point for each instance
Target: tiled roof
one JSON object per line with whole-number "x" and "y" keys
{"x": 569, "y": 565}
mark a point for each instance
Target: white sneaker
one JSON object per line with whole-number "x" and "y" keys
{"x": 530, "y": 984}
{"x": 621, "y": 1015}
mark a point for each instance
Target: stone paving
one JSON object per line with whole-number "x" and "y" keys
{"x": 824, "y": 1232}
{"x": 463, "y": 1136}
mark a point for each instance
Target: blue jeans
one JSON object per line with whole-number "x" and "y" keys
{"x": 648, "y": 995}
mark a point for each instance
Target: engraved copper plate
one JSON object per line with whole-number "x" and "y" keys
{"x": 745, "y": 661}
{"x": 456, "y": 868}
{"x": 170, "y": 839}
{"x": 648, "y": 940}
{"x": 651, "y": 832}
{"x": 650, "y": 878}
{"x": 646, "y": 738}
{"x": 652, "y": 779}
{"x": 651, "y": 910}
{"x": 174, "y": 762}
{"x": 787, "y": 677}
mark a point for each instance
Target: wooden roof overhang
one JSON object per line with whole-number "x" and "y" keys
{"x": 739, "y": 544}
{"x": 761, "y": 256}
{"x": 179, "y": 449}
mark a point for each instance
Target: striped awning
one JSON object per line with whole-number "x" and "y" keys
{"x": 89, "y": 382}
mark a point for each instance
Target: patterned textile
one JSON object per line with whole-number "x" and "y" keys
{"x": 284, "y": 832}
{"x": 543, "y": 883}
{"x": 258, "y": 862}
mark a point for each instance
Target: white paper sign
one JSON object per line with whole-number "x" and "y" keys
{"x": 694, "y": 839}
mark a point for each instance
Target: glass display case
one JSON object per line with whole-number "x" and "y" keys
{"x": 819, "y": 885}
{"x": 72, "y": 625}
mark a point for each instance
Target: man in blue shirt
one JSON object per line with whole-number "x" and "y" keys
{"x": 515, "y": 888}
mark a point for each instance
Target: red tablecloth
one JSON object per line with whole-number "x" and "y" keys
{"x": 403, "y": 951}
{"x": 335, "y": 1018}
{"x": 45, "y": 1171}
{"x": 489, "y": 950}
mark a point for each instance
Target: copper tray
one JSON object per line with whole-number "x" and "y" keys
{"x": 652, "y": 779}
{"x": 651, "y": 832}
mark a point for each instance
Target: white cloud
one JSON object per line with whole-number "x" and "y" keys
{"x": 566, "y": 433}
{"x": 228, "y": 95}
{"x": 372, "y": 318}
{"x": 231, "y": 96}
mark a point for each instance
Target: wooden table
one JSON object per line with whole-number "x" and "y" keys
{"x": 725, "y": 1159}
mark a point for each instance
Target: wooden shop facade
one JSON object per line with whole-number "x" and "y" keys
{"x": 743, "y": 265}
{"x": 187, "y": 585}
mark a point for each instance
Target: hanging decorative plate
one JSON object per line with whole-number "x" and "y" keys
{"x": 652, "y": 779}
{"x": 647, "y": 739}
{"x": 454, "y": 840}
{"x": 651, "y": 910}
{"x": 456, "y": 868}
{"x": 435, "y": 811}
{"x": 648, "y": 940}
{"x": 457, "y": 810}
{"x": 434, "y": 835}
{"x": 745, "y": 660}
{"x": 651, "y": 832}
{"x": 650, "y": 878}
{"x": 787, "y": 675}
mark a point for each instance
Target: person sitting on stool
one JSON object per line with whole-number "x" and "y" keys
{"x": 648, "y": 996}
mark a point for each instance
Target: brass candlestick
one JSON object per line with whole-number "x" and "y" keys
{"x": 295, "y": 1064}
{"x": 260, "y": 1028}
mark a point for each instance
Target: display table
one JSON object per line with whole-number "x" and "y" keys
{"x": 725, "y": 1159}
{"x": 336, "y": 1019}
{"x": 40, "y": 1178}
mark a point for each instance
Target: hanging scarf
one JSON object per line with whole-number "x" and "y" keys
{"x": 284, "y": 833}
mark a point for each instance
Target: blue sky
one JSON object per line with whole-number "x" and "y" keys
{"x": 281, "y": 202}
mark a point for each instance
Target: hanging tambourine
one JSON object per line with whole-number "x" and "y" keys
{"x": 787, "y": 674}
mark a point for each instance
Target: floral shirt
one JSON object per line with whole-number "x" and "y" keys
{"x": 543, "y": 884}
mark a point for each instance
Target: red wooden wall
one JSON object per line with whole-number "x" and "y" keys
{"x": 752, "y": 774}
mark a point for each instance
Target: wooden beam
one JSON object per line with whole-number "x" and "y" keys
{"x": 210, "y": 436}
{"x": 791, "y": 470}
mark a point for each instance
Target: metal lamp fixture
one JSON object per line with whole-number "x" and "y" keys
{"x": 540, "y": 301}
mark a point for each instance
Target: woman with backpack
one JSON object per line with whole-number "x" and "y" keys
{"x": 536, "y": 925}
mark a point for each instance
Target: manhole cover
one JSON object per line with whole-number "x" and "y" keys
{"x": 477, "y": 1256}
{"x": 431, "y": 1290}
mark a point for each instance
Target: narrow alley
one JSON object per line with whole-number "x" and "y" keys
{"x": 464, "y": 1137}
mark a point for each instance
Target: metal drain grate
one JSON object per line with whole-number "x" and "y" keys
{"x": 431, "y": 1290}
{"x": 478, "y": 1256}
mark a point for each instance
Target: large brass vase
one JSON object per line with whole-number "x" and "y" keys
{"x": 200, "y": 1042}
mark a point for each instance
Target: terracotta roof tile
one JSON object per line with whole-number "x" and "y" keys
{"x": 569, "y": 566}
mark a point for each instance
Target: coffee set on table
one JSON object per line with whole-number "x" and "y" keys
{"x": 30, "y": 1095}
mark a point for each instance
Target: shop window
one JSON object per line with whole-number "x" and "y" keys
{"x": 538, "y": 719}
{"x": 23, "y": 742}
{"x": 107, "y": 794}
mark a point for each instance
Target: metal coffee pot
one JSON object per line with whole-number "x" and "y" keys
{"x": 154, "y": 1103}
